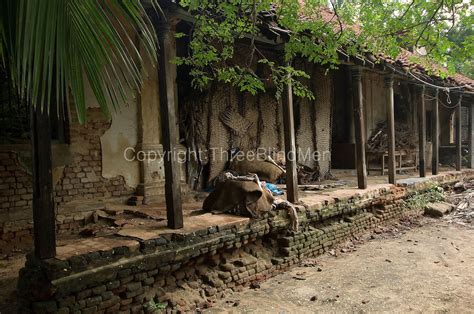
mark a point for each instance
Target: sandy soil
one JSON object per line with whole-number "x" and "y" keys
{"x": 426, "y": 269}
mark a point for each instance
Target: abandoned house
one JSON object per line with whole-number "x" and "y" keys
{"x": 127, "y": 227}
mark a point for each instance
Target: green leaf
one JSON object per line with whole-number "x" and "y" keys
{"x": 53, "y": 47}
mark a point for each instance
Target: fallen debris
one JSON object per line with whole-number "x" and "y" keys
{"x": 438, "y": 209}
{"x": 255, "y": 285}
{"x": 89, "y": 231}
{"x": 404, "y": 139}
{"x": 462, "y": 200}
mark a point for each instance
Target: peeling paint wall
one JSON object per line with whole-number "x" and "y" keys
{"x": 121, "y": 135}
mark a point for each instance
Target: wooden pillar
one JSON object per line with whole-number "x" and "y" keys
{"x": 435, "y": 134}
{"x": 290, "y": 145}
{"x": 390, "y": 128}
{"x": 44, "y": 218}
{"x": 359, "y": 127}
{"x": 169, "y": 123}
{"x": 471, "y": 136}
{"x": 422, "y": 133}
{"x": 458, "y": 136}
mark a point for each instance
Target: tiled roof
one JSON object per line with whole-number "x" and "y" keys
{"x": 408, "y": 62}
{"x": 405, "y": 60}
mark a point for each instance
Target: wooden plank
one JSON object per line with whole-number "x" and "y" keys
{"x": 435, "y": 134}
{"x": 390, "y": 128}
{"x": 359, "y": 127}
{"x": 458, "y": 136}
{"x": 471, "y": 136}
{"x": 290, "y": 145}
{"x": 169, "y": 123}
{"x": 44, "y": 217}
{"x": 422, "y": 133}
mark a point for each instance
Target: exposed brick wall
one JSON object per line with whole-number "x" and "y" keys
{"x": 15, "y": 203}
{"x": 15, "y": 185}
{"x": 81, "y": 180}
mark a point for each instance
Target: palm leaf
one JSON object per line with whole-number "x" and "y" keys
{"x": 51, "y": 47}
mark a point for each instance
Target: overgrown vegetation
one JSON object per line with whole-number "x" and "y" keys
{"x": 315, "y": 34}
{"x": 53, "y": 49}
{"x": 420, "y": 199}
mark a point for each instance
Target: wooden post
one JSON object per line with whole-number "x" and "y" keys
{"x": 390, "y": 128}
{"x": 422, "y": 133}
{"x": 359, "y": 127}
{"x": 458, "y": 136}
{"x": 435, "y": 135}
{"x": 471, "y": 136}
{"x": 44, "y": 218}
{"x": 169, "y": 123}
{"x": 290, "y": 145}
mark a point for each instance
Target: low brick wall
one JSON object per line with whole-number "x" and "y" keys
{"x": 185, "y": 271}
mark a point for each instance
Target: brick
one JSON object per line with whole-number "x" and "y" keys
{"x": 45, "y": 307}
{"x": 63, "y": 310}
{"x": 107, "y": 295}
{"x": 133, "y": 286}
{"x": 98, "y": 290}
{"x": 84, "y": 294}
{"x": 93, "y": 301}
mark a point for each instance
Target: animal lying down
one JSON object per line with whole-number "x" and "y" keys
{"x": 245, "y": 196}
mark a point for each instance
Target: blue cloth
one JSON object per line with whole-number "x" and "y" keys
{"x": 274, "y": 189}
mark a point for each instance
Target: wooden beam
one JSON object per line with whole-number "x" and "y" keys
{"x": 458, "y": 136}
{"x": 435, "y": 134}
{"x": 44, "y": 217}
{"x": 422, "y": 133}
{"x": 290, "y": 145}
{"x": 169, "y": 123}
{"x": 471, "y": 136}
{"x": 359, "y": 127}
{"x": 390, "y": 128}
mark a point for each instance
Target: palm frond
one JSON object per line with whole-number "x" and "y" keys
{"x": 50, "y": 46}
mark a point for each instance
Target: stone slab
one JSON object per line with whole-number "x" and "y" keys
{"x": 93, "y": 245}
{"x": 438, "y": 209}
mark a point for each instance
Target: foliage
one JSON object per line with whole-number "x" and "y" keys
{"x": 433, "y": 193}
{"x": 51, "y": 49}
{"x": 153, "y": 306}
{"x": 356, "y": 27}
{"x": 463, "y": 37}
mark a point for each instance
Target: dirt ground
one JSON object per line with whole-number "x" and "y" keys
{"x": 424, "y": 269}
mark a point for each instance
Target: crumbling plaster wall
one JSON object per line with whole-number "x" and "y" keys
{"x": 121, "y": 134}
{"x": 120, "y": 137}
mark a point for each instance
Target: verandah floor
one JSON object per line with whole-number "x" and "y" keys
{"x": 120, "y": 225}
